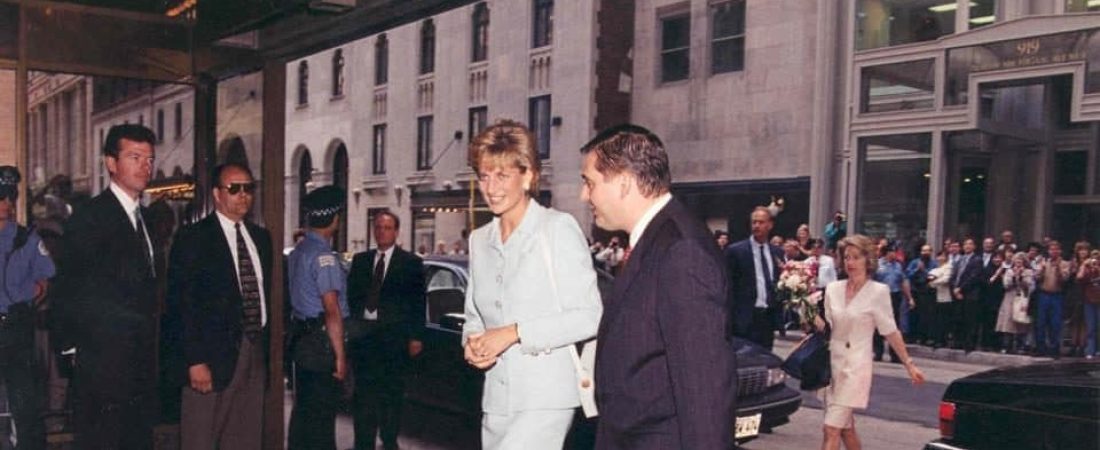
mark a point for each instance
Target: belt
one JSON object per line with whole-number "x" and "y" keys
{"x": 312, "y": 324}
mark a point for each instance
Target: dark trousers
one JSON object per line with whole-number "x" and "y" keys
{"x": 762, "y": 327}
{"x": 115, "y": 392}
{"x": 313, "y": 420}
{"x": 921, "y": 318}
{"x": 1048, "y": 327}
{"x": 966, "y": 321}
{"x": 17, "y": 372}
{"x": 379, "y": 361}
{"x": 878, "y": 344}
{"x": 941, "y": 322}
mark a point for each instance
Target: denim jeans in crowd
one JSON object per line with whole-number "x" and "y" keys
{"x": 1092, "y": 317}
{"x": 1048, "y": 327}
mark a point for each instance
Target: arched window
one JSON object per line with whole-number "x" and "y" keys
{"x": 427, "y": 47}
{"x": 338, "y": 73}
{"x": 480, "y": 48}
{"x": 381, "y": 61}
{"x": 303, "y": 83}
{"x": 305, "y": 175}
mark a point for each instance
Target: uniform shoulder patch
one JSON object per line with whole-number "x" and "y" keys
{"x": 42, "y": 249}
{"x": 326, "y": 260}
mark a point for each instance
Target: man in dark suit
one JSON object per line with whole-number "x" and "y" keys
{"x": 966, "y": 288}
{"x": 665, "y": 364}
{"x": 386, "y": 299}
{"x": 219, "y": 283}
{"x": 109, "y": 308}
{"x": 754, "y": 268}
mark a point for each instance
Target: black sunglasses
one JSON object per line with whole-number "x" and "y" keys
{"x": 236, "y": 188}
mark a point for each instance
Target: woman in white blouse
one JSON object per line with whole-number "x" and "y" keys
{"x": 855, "y": 308}
{"x": 532, "y": 293}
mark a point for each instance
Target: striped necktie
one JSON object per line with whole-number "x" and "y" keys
{"x": 250, "y": 289}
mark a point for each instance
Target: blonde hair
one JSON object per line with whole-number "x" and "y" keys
{"x": 865, "y": 246}
{"x": 507, "y": 143}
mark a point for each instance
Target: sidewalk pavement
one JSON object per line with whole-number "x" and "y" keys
{"x": 995, "y": 359}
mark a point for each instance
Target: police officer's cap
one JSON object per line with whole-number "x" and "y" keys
{"x": 9, "y": 181}
{"x": 324, "y": 202}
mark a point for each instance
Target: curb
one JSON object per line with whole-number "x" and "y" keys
{"x": 946, "y": 354}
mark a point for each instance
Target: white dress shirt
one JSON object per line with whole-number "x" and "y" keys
{"x": 650, "y": 213}
{"x": 131, "y": 205}
{"x": 231, "y": 238}
{"x": 761, "y": 283}
{"x": 386, "y": 256}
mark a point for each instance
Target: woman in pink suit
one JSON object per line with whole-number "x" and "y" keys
{"x": 855, "y": 308}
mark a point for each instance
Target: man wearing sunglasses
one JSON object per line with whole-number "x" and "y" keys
{"x": 108, "y": 305}
{"x": 26, "y": 267}
{"x": 218, "y": 284}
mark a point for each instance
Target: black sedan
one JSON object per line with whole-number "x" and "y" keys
{"x": 445, "y": 381}
{"x": 1040, "y": 406}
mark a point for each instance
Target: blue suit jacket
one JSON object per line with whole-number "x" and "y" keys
{"x": 742, "y": 269}
{"x": 665, "y": 365}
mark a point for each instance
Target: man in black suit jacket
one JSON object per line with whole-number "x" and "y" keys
{"x": 665, "y": 364}
{"x": 386, "y": 300}
{"x": 218, "y": 281}
{"x": 109, "y": 308}
{"x": 754, "y": 267}
{"x": 966, "y": 289}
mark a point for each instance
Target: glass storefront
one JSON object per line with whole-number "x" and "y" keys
{"x": 898, "y": 87}
{"x": 883, "y": 23}
{"x": 894, "y": 175}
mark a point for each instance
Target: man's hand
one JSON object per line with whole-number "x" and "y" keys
{"x": 341, "y": 369}
{"x": 958, "y": 294}
{"x": 200, "y": 378}
{"x": 415, "y": 347}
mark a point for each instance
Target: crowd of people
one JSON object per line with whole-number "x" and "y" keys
{"x": 992, "y": 294}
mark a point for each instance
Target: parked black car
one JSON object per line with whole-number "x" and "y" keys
{"x": 445, "y": 381}
{"x": 1052, "y": 405}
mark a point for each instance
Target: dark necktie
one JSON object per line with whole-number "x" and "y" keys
{"x": 251, "y": 321}
{"x": 146, "y": 247}
{"x": 767, "y": 274}
{"x": 376, "y": 283}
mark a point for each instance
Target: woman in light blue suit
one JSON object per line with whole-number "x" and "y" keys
{"x": 532, "y": 294}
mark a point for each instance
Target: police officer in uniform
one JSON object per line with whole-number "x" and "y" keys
{"x": 25, "y": 269}
{"x": 318, "y": 297}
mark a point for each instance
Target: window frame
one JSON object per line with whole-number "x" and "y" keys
{"x": 479, "y": 27}
{"x": 474, "y": 112}
{"x": 378, "y": 149}
{"x": 303, "y": 83}
{"x": 542, "y": 23}
{"x": 178, "y": 125}
{"x": 381, "y": 60}
{"x": 427, "y": 47}
{"x": 714, "y": 40}
{"x": 541, "y": 130}
{"x": 662, "y": 52}
{"x": 424, "y": 142}
{"x": 338, "y": 66}
{"x": 160, "y": 125}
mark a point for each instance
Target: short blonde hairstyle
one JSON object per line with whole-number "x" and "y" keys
{"x": 866, "y": 247}
{"x": 507, "y": 143}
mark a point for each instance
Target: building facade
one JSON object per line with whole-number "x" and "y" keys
{"x": 389, "y": 117}
{"x": 966, "y": 118}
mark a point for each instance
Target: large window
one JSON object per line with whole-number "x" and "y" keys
{"x": 882, "y": 23}
{"x": 542, "y": 28}
{"x": 894, "y": 178}
{"x": 378, "y": 150}
{"x": 381, "y": 61}
{"x": 479, "y": 49}
{"x": 479, "y": 118}
{"x": 427, "y": 47}
{"x": 539, "y": 122}
{"x": 675, "y": 47}
{"x": 898, "y": 87}
{"x": 338, "y": 73}
{"x": 178, "y": 125}
{"x": 303, "y": 83}
{"x": 424, "y": 143}
{"x": 1075, "y": 6}
{"x": 727, "y": 36}
{"x": 982, "y": 13}
{"x": 160, "y": 125}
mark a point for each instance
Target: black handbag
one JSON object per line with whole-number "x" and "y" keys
{"x": 810, "y": 362}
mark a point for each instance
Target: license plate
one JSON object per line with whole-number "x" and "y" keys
{"x": 747, "y": 426}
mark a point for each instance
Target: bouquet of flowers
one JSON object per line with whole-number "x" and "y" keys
{"x": 798, "y": 285}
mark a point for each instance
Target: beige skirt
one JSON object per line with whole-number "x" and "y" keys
{"x": 837, "y": 416}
